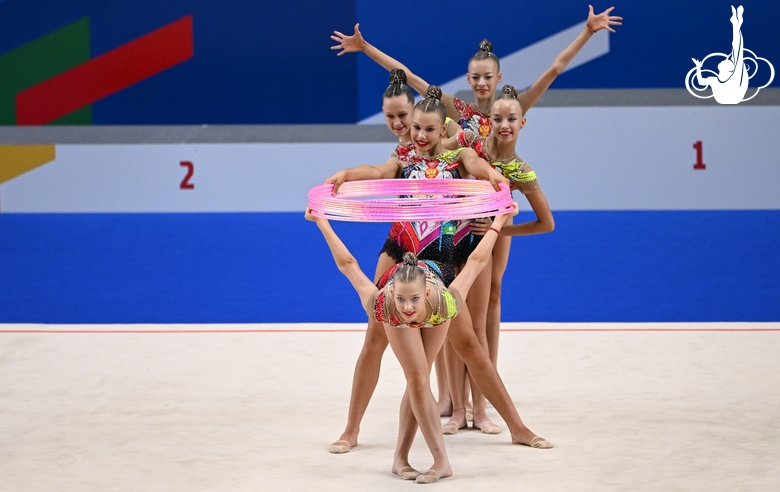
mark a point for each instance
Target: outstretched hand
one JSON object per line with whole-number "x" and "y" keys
{"x": 603, "y": 20}
{"x": 348, "y": 44}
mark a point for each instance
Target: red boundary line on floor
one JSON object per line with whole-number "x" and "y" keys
{"x": 546, "y": 330}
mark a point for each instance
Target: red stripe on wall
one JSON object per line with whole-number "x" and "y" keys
{"x": 106, "y": 74}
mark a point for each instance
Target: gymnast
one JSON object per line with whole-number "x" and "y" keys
{"x": 414, "y": 294}
{"x": 499, "y": 149}
{"x": 397, "y": 106}
{"x": 434, "y": 239}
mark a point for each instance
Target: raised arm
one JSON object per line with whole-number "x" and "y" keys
{"x": 387, "y": 170}
{"x": 479, "y": 258}
{"x": 355, "y": 43}
{"x": 346, "y": 263}
{"x": 595, "y": 23}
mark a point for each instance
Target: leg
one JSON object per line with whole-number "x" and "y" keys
{"x": 407, "y": 427}
{"x": 484, "y": 373}
{"x": 366, "y": 373}
{"x": 443, "y": 393}
{"x": 477, "y": 303}
{"x": 500, "y": 260}
{"x": 416, "y": 351}
{"x": 456, "y": 374}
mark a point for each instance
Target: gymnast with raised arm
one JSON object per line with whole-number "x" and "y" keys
{"x": 416, "y": 308}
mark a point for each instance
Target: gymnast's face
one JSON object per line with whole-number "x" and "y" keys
{"x": 427, "y": 130}
{"x": 483, "y": 78}
{"x": 506, "y": 119}
{"x": 409, "y": 298}
{"x": 398, "y": 115}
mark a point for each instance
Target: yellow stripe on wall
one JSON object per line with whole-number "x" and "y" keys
{"x": 16, "y": 160}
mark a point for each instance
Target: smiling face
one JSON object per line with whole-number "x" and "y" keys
{"x": 427, "y": 130}
{"x": 398, "y": 115}
{"x": 506, "y": 120}
{"x": 409, "y": 299}
{"x": 483, "y": 76}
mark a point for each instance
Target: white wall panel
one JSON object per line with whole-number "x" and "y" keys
{"x": 586, "y": 159}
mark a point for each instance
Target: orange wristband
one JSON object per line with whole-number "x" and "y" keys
{"x": 494, "y": 229}
{"x": 591, "y": 29}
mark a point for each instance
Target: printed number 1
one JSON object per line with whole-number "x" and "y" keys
{"x": 185, "y": 183}
{"x": 699, "y": 164}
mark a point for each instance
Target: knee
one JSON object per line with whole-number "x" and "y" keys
{"x": 418, "y": 382}
{"x": 467, "y": 348}
{"x": 376, "y": 341}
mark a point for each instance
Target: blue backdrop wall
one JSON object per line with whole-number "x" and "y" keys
{"x": 270, "y": 62}
{"x": 253, "y": 268}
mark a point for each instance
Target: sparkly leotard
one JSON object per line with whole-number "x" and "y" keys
{"x": 442, "y": 308}
{"x": 520, "y": 175}
{"x": 429, "y": 240}
{"x": 471, "y": 119}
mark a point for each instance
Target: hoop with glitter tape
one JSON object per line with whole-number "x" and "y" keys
{"x": 410, "y": 200}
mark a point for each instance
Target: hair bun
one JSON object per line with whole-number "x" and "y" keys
{"x": 410, "y": 258}
{"x": 397, "y": 76}
{"x": 434, "y": 92}
{"x": 486, "y": 45}
{"x": 509, "y": 90}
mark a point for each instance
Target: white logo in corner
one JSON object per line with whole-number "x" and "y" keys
{"x": 730, "y": 83}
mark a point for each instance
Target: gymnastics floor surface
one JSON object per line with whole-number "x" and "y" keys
{"x": 632, "y": 406}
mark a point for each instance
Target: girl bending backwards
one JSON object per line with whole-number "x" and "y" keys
{"x": 424, "y": 126}
{"x": 415, "y": 308}
{"x": 498, "y": 149}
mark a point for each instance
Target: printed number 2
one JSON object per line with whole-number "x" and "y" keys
{"x": 699, "y": 164}
{"x": 185, "y": 183}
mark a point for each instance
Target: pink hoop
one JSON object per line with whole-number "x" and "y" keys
{"x": 410, "y": 200}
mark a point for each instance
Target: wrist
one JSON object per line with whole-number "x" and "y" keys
{"x": 592, "y": 31}
{"x": 496, "y": 230}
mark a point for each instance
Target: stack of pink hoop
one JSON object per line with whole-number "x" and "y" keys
{"x": 407, "y": 200}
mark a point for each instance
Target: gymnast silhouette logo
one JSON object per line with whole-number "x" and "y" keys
{"x": 730, "y": 84}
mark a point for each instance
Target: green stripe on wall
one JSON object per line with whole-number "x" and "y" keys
{"x": 42, "y": 59}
